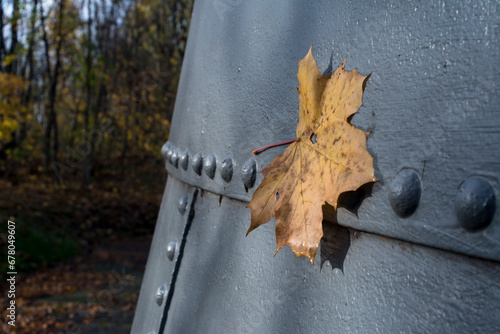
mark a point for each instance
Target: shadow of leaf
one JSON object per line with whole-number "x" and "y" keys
{"x": 334, "y": 245}
{"x": 337, "y": 239}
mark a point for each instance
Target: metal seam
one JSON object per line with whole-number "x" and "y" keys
{"x": 207, "y": 190}
{"x": 247, "y": 172}
{"x": 171, "y": 287}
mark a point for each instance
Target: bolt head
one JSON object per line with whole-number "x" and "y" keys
{"x": 210, "y": 165}
{"x": 182, "y": 204}
{"x": 404, "y": 192}
{"x": 160, "y": 293}
{"x": 475, "y": 204}
{"x": 197, "y": 163}
{"x": 175, "y": 157}
{"x": 226, "y": 169}
{"x": 164, "y": 150}
{"x": 171, "y": 247}
{"x": 184, "y": 160}
{"x": 249, "y": 173}
{"x": 169, "y": 153}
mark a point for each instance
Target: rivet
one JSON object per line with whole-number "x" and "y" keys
{"x": 210, "y": 165}
{"x": 184, "y": 160}
{"x": 197, "y": 163}
{"x": 175, "y": 157}
{"x": 475, "y": 203}
{"x": 172, "y": 245}
{"x": 404, "y": 192}
{"x": 170, "y": 150}
{"x": 182, "y": 204}
{"x": 164, "y": 150}
{"x": 160, "y": 293}
{"x": 249, "y": 173}
{"x": 226, "y": 169}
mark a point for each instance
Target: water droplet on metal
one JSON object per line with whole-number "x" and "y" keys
{"x": 404, "y": 192}
{"x": 210, "y": 165}
{"x": 226, "y": 169}
{"x": 197, "y": 163}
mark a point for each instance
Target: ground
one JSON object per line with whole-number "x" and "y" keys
{"x": 80, "y": 250}
{"x": 96, "y": 293}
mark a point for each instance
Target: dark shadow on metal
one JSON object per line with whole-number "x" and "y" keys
{"x": 171, "y": 288}
{"x": 337, "y": 239}
{"x": 334, "y": 245}
{"x": 329, "y": 69}
{"x": 351, "y": 200}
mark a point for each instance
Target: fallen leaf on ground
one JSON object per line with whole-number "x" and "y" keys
{"x": 329, "y": 158}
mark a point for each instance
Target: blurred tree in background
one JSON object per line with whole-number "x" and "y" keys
{"x": 87, "y": 90}
{"x": 85, "y": 82}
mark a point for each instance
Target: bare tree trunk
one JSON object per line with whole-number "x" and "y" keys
{"x": 46, "y": 42}
{"x": 12, "y": 66}
{"x": 3, "y": 51}
{"x": 86, "y": 161}
{"x": 52, "y": 95}
{"x": 74, "y": 124}
{"x": 49, "y": 125}
{"x": 29, "y": 61}
{"x": 30, "y": 67}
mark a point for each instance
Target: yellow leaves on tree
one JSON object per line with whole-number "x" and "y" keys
{"x": 12, "y": 110}
{"x": 329, "y": 158}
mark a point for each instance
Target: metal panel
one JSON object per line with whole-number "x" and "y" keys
{"x": 229, "y": 283}
{"x": 431, "y": 101}
{"x": 163, "y": 257}
{"x": 433, "y": 110}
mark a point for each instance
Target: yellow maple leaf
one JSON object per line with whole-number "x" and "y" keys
{"x": 329, "y": 158}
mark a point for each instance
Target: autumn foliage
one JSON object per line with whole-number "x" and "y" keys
{"x": 85, "y": 81}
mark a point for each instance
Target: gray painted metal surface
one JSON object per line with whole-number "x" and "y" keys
{"x": 162, "y": 258}
{"x": 433, "y": 107}
{"x": 232, "y": 284}
{"x": 431, "y": 101}
{"x": 229, "y": 283}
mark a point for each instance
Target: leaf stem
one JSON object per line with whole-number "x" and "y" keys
{"x": 262, "y": 149}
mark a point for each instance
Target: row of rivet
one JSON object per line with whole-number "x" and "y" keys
{"x": 161, "y": 291}
{"x": 171, "y": 249}
{"x": 475, "y": 202}
{"x": 209, "y": 164}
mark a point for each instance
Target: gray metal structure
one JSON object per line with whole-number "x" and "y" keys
{"x": 420, "y": 254}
